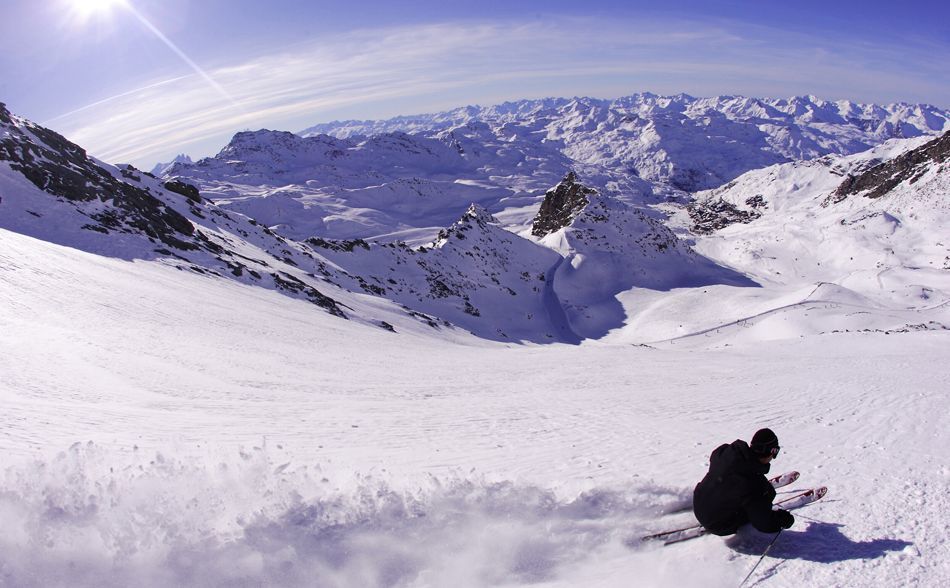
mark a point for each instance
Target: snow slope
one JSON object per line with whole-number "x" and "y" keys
{"x": 150, "y": 445}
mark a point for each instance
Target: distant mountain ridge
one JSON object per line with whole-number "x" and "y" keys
{"x": 162, "y": 168}
{"x": 682, "y": 142}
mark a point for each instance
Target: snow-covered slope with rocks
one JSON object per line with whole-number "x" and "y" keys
{"x": 162, "y": 428}
{"x": 609, "y": 247}
{"x": 475, "y": 274}
{"x": 838, "y": 244}
{"x": 487, "y": 280}
{"x": 51, "y": 190}
{"x": 837, "y": 219}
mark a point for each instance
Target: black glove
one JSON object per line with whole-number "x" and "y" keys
{"x": 784, "y": 518}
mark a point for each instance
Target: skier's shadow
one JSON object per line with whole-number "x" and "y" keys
{"x": 819, "y": 542}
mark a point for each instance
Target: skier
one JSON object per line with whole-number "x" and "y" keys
{"x": 736, "y": 491}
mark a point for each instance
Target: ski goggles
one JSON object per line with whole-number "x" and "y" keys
{"x": 774, "y": 451}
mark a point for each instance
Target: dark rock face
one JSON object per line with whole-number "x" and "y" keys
{"x": 185, "y": 189}
{"x": 884, "y": 177}
{"x": 289, "y": 283}
{"x": 709, "y": 217}
{"x": 61, "y": 168}
{"x": 561, "y": 205}
{"x": 347, "y": 245}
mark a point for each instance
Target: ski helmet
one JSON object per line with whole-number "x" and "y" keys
{"x": 764, "y": 442}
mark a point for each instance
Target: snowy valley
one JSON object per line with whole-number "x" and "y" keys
{"x": 487, "y": 347}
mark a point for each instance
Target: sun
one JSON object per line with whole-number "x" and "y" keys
{"x": 90, "y": 8}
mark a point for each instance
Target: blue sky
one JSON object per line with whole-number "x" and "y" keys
{"x": 141, "y": 80}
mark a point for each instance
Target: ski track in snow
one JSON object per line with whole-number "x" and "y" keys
{"x": 162, "y": 428}
{"x": 554, "y": 308}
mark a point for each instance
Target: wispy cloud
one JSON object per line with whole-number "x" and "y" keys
{"x": 377, "y": 73}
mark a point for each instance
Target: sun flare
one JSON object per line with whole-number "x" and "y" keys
{"x": 89, "y": 8}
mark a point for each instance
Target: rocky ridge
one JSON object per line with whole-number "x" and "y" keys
{"x": 908, "y": 167}
{"x": 63, "y": 169}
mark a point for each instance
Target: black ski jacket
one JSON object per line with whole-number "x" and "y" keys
{"x": 735, "y": 492}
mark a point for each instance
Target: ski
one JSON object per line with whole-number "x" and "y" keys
{"x": 803, "y": 498}
{"x": 784, "y": 479}
{"x": 665, "y": 534}
{"x": 777, "y": 482}
{"x": 684, "y": 535}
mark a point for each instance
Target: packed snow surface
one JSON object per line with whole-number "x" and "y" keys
{"x": 164, "y": 428}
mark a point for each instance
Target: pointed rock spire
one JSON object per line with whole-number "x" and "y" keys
{"x": 561, "y": 205}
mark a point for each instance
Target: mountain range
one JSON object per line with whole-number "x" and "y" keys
{"x": 536, "y": 221}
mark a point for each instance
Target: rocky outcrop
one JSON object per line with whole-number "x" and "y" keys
{"x": 185, "y": 189}
{"x": 709, "y": 217}
{"x": 561, "y": 205}
{"x": 884, "y": 177}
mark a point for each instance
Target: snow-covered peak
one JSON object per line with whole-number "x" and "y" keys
{"x": 281, "y": 149}
{"x": 480, "y": 215}
{"x": 477, "y": 219}
{"x": 161, "y": 169}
